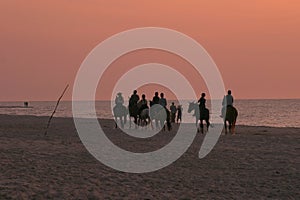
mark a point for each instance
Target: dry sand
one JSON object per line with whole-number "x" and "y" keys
{"x": 257, "y": 163}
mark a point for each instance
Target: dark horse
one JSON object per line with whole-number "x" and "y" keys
{"x": 231, "y": 116}
{"x": 133, "y": 112}
{"x": 202, "y": 115}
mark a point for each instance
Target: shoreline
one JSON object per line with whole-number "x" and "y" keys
{"x": 256, "y": 163}
{"x": 108, "y": 119}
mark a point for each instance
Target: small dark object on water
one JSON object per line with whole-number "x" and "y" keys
{"x": 26, "y": 104}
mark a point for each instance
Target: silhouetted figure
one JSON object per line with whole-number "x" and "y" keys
{"x": 155, "y": 99}
{"x": 179, "y": 113}
{"x": 133, "y": 109}
{"x": 162, "y": 100}
{"x": 120, "y": 110}
{"x": 26, "y": 104}
{"x": 227, "y": 101}
{"x": 143, "y": 103}
{"x": 134, "y": 98}
{"x": 202, "y": 102}
{"x": 143, "y": 111}
{"x": 204, "y": 112}
{"x": 119, "y": 100}
{"x": 173, "y": 110}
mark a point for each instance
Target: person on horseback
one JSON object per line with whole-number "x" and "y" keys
{"x": 202, "y": 102}
{"x": 134, "y": 98}
{"x": 229, "y": 113}
{"x": 119, "y": 109}
{"x": 173, "y": 110}
{"x": 204, "y": 112}
{"x": 119, "y": 100}
{"x": 133, "y": 109}
{"x": 143, "y": 103}
{"x": 179, "y": 113}
{"x": 227, "y": 101}
{"x": 162, "y": 100}
{"x": 155, "y": 99}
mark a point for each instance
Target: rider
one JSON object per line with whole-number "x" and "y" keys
{"x": 142, "y": 104}
{"x": 202, "y": 102}
{"x": 173, "y": 110}
{"x": 155, "y": 99}
{"x": 134, "y": 99}
{"x": 227, "y": 101}
{"x": 119, "y": 100}
{"x": 179, "y": 113}
{"x": 162, "y": 100}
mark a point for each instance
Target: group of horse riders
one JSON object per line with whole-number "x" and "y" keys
{"x": 227, "y": 102}
{"x": 139, "y": 109}
{"x": 137, "y": 105}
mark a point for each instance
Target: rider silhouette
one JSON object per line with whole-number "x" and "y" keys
{"x": 173, "y": 110}
{"x": 119, "y": 100}
{"x": 162, "y": 100}
{"x": 179, "y": 113}
{"x": 143, "y": 103}
{"x": 202, "y": 102}
{"x": 134, "y": 99}
{"x": 227, "y": 101}
{"x": 155, "y": 99}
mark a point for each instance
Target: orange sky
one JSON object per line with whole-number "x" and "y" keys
{"x": 256, "y": 44}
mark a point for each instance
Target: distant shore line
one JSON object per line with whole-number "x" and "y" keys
{"x": 263, "y": 99}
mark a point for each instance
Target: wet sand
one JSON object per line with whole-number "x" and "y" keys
{"x": 257, "y": 163}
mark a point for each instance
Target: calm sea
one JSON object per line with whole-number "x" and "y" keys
{"x": 276, "y": 113}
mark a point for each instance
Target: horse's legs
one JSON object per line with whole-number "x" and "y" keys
{"x": 169, "y": 125}
{"x": 122, "y": 122}
{"x": 201, "y": 126}
{"x": 233, "y": 128}
{"x": 116, "y": 120}
{"x": 225, "y": 126}
{"x": 230, "y": 127}
{"x": 156, "y": 124}
{"x": 162, "y": 124}
{"x": 207, "y": 123}
{"x": 198, "y": 130}
{"x": 125, "y": 119}
{"x": 150, "y": 121}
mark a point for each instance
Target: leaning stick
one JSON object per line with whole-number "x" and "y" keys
{"x": 49, "y": 121}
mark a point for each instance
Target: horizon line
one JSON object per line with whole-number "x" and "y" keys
{"x": 167, "y": 99}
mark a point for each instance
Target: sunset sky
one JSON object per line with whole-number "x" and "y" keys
{"x": 255, "y": 44}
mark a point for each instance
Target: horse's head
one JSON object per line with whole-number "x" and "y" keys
{"x": 191, "y": 107}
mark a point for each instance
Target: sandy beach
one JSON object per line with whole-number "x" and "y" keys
{"x": 257, "y": 163}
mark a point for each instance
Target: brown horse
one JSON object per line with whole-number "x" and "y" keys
{"x": 201, "y": 116}
{"x": 231, "y": 116}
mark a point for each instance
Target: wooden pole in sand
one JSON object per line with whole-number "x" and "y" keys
{"x": 49, "y": 121}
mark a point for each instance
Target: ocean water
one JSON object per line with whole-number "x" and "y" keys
{"x": 275, "y": 113}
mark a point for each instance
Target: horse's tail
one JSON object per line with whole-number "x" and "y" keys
{"x": 236, "y": 113}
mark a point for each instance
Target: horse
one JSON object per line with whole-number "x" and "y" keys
{"x": 120, "y": 112}
{"x": 202, "y": 116}
{"x": 144, "y": 117}
{"x": 231, "y": 116}
{"x": 133, "y": 112}
{"x": 162, "y": 115}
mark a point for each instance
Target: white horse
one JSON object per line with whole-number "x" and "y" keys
{"x": 120, "y": 112}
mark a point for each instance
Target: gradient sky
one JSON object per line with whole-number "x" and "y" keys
{"x": 256, "y": 44}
